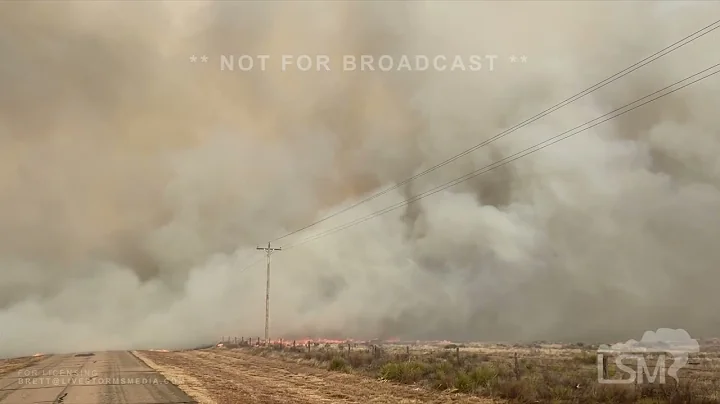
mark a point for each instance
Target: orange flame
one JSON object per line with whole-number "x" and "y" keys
{"x": 323, "y": 341}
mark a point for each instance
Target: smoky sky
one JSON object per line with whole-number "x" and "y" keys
{"x": 135, "y": 184}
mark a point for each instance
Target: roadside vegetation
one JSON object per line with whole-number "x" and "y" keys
{"x": 528, "y": 374}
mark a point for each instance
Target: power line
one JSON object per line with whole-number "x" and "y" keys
{"x": 252, "y": 264}
{"x": 513, "y": 157}
{"x": 667, "y": 50}
{"x": 509, "y": 159}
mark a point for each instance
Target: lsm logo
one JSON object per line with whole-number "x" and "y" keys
{"x": 657, "y": 345}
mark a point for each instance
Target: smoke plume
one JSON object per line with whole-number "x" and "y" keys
{"x": 135, "y": 184}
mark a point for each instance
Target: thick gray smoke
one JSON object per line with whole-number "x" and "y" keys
{"x": 135, "y": 185}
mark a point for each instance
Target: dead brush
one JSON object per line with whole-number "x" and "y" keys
{"x": 563, "y": 377}
{"x": 360, "y": 359}
{"x": 338, "y": 364}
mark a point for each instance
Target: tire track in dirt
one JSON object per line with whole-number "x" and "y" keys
{"x": 233, "y": 376}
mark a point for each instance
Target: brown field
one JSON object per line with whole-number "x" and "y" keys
{"x": 11, "y": 365}
{"x": 424, "y": 373}
{"x": 235, "y": 376}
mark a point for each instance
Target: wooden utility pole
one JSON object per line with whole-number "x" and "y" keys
{"x": 268, "y": 250}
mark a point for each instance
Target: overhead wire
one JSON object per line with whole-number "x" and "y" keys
{"x": 657, "y": 55}
{"x": 513, "y": 157}
{"x": 252, "y": 264}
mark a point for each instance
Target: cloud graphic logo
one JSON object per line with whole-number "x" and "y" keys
{"x": 675, "y": 342}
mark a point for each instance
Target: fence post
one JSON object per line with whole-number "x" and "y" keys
{"x": 517, "y": 367}
{"x": 605, "y": 366}
{"x": 457, "y": 354}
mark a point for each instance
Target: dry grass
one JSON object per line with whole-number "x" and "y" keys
{"x": 232, "y": 376}
{"x": 538, "y": 373}
{"x": 10, "y": 365}
{"x": 190, "y": 385}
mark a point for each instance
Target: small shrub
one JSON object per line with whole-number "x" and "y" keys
{"x": 585, "y": 359}
{"x": 484, "y": 375}
{"x": 520, "y": 390}
{"x": 442, "y": 381}
{"x": 338, "y": 364}
{"x": 464, "y": 383}
{"x": 360, "y": 359}
{"x": 615, "y": 393}
{"x": 403, "y": 372}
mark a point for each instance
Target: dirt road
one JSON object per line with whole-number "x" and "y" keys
{"x": 231, "y": 376}
{"x": 100, "y": 378}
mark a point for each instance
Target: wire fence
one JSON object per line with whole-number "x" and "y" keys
{"x": 519, "y": 359}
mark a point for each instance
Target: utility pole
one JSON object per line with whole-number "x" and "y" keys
{"x": 268, "y": 250}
